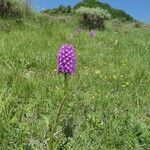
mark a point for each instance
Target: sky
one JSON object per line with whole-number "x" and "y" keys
{"x": 138, "y": 9}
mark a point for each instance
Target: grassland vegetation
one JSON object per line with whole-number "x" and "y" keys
{"x": 108, "y": 105}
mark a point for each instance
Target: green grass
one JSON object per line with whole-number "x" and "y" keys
{"x": 108, "y": 106}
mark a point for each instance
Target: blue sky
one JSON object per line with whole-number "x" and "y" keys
{"x": 139, "y": 9}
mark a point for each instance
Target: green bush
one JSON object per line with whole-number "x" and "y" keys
{"x": 68, "y": 9}
{"x": 14, "y": 8}
{"x": 60, "y": 10}
{"x": 115, "y": 13}
{"x": 93, "y": 18}
{"x": 137, "y": 24}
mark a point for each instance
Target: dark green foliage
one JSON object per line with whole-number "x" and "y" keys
{"x": 13, "y": 8}
{"x": 90, "y": 1}
{"x": 5, "y": 7}
{"x": 60, "y": 10}
{"x": 68, "y": 131}
{"x": 85, "y": 4}
{"x": 27, "y": 147}
{"x": 120, "y": 14}
{"x": 115, "y": 13}
{"x": 68, "y": 9}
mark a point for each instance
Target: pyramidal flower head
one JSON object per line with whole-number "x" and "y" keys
{"x": 66, "y": 61}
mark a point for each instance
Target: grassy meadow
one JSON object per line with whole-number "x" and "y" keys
{"x": 109, "y": 96}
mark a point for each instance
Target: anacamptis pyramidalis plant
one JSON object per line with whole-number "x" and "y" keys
{"x": 66, "y": 65}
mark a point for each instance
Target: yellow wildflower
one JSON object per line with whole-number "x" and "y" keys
{"x": 114, "y": 76}
{"x": 93, "y": 97}
{"x": 121, "y": 76}
{"x": 124, "y": 86}
{"x": 97, "y": 71}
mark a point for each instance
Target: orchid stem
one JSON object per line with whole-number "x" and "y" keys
{"x": 51, "y": 142}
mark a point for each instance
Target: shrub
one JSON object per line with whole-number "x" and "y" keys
{"x": 14, "y": 8}
{"x": 137, "y": 24}
{"x": 85, "y": 4}
{"x": 93, "y": 18}
{"x": 62, "y": 9}
{"x": 115, "y": 13}
{"x": 90, "y": 1}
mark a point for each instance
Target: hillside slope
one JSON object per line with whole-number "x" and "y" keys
{"x": 108, "y": 105}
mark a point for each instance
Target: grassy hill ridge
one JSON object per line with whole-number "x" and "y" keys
{"x": 115, "y": 13}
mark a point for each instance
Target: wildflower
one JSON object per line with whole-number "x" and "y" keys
{"x": 66, "y": 59}
{"x": 116, "y": 42}
{"x": 124, "y": 86}
{"x": 101, "y": 76}
{"x": 121, "y": 76}
{"x": 114, "y": 76}
{"x": 97, "y": 71}
{"x": 92, "y": 33}
{"x": 105, "y": 77}
{"x": 66, "y": 65}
